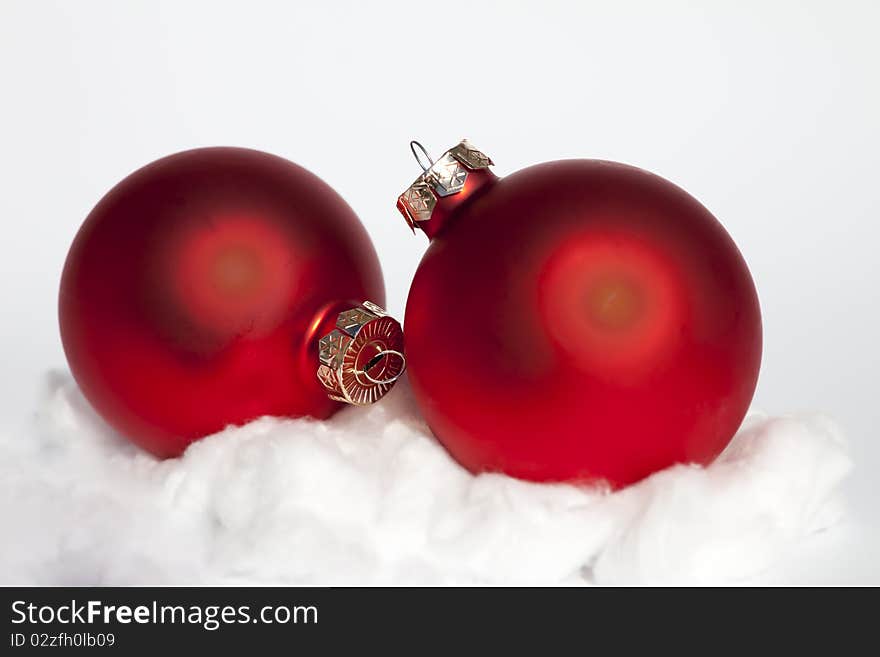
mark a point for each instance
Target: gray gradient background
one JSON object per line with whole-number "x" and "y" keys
{"x": 765, "y": 111}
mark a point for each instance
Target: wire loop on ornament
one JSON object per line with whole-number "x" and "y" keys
{"x": 376, "y": 359}
{"x": 413, "y": 145}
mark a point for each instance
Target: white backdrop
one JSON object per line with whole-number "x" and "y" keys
{"x": 765, "y": 111}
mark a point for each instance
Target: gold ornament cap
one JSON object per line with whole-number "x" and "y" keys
{"x": 361, "y": 358}
{"x": 440, "y": 178}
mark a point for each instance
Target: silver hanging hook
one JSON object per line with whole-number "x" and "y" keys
{"x": 413, "y": 145}
{"x": 385, "y": 353}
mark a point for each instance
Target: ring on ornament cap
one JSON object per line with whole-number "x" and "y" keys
{"x": 362, "y": 358}
{"x": 440, "y": 178}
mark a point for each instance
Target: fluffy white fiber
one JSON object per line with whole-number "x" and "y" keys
{"x": 370, "y": 497}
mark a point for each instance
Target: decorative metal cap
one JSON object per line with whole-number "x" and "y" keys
{"x": 443, "y": 177}
{"x": 362, "y": 357}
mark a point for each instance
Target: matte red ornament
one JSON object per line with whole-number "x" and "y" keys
{"x": 197, "y": 292}
{"x": 578, "y": 320}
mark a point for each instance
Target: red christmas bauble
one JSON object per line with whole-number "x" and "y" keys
{"x": 196, "y": 293}
{"x": 578, "y": 320}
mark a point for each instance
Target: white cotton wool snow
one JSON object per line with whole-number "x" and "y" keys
{"x": 370, "y": 497}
